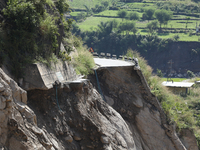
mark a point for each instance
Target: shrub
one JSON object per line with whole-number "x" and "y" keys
{"x": 133, "y": 16}
{"x": 190, "y": 74}
{"x": 152, "y": 26}
{"x": 159, "y": 73}
{"x": 30, "y": 32}
{"x": 190, "y": 33}
{"x": 176, "y": 37}
{"x": 122, "y": 14}
{"x": 83, "y": 61}
{"x": 148, "y": 14}
{"x": 62, "y": 6}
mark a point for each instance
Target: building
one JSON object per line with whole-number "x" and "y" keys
{"x": 178, "y": 87}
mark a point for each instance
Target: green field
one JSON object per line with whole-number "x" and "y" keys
{"x": 177, "y": 26}
{"x": 111, "y": 13}
{"x": 92, "y": 22}
{"x": 79, "y": 4}
{"x": 175, "y": 79}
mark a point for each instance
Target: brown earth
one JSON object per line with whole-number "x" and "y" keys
{"x": 130, "y": 119}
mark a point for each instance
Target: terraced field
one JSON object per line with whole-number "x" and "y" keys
{"x": 182, "y": 24}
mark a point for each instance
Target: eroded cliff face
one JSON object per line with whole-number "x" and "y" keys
{"x": 85, "y": 121}
{"x": 126, "y": 90}
{"x": 79, "y": 119}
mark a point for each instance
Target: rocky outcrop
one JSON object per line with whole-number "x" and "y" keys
{"x": 127, "y": 91}
{"x": 74, "y": 116}
{"x": 85, "y": 121}
{"x": 17, "y": 120}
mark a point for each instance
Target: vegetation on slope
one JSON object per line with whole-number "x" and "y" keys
{"x": 182, "y": 111}
{"x": 32, "y": 31}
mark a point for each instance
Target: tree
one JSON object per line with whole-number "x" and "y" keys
{"x": 163, "y": 16}
{"x": 122, "y": 14}
{"x": 81, "y": 16}
{"x": 128, "y": 26}
{"x": 190, "y": 74}
{"x": 105, "y": 28}
{"x": 133, "y": 16}
{"x": 88, "y": 10}
{"x": 159, "y": 73}
{"x": 148, "y": 14}
{"x": 152, "y": 26}
{"x": 105, "y": 4}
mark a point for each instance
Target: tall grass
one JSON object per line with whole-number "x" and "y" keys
{"x": 83, "y": 61}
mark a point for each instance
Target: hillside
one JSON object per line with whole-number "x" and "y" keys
{"x": 120, "y": 25}
{"x": 185, "y": 16}
{"x": 70, "y": 103}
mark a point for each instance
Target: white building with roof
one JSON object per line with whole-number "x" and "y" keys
{"x": 178, "y": 87}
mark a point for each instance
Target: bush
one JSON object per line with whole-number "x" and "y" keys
{"x": 133, "y": 16}
{"x": 176, "y": 37}
{"x": 152, "y": 26}
{"x": 30, "y": 33}
{"x": 159, "y": 73}
{"x": 190, "y": 33}
{"x": 83, "y": 62}
{"x": 122, "y": 14}
{"x": 148, "y": 14}
{"x": 190, "y": 74}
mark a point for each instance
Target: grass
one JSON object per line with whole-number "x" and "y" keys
{"x": 79, "y": 4}
{"x": 111, "y": 13}
{"x": 83, "y": 62}
{"x": 182, "y": 23}
{"x": 183, "y": 17}
{"x": 74, "y": 14}
{"x": 173, "y": 24}
{"x": 92, "y": 22}
{"x": 141, "y": 5}
{"x": 174, "y": 79}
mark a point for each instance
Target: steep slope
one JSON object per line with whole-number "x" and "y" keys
{"x": 85, "y": 122}
{"x": 126, "y": 90}
{"x": 76, "y": 117}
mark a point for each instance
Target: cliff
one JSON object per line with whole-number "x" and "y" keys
{"x": 184, "y": 55}
{"x": 76, "y": 117}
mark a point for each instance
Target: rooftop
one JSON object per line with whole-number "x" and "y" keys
{"x": 178, "y": 84}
